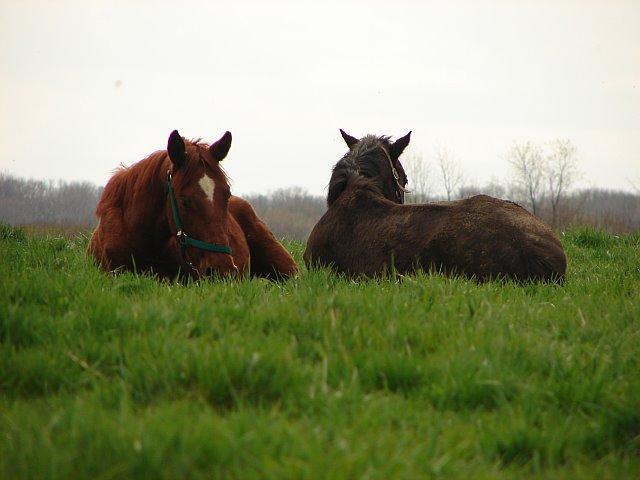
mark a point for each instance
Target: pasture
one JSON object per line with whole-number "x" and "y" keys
{"x": 122, "y": 377}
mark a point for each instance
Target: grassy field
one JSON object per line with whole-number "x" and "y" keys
{"x": 108, "y": 377}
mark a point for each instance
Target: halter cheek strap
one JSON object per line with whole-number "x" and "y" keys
{"x": 396, "y": 177}
{"x": 185, "y": 240}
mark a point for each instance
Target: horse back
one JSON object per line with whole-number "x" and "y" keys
{"x": 485, "y": 237}
{"x": 481, "y": 237}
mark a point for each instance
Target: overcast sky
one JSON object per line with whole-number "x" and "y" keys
{"x": 88, "y": 85}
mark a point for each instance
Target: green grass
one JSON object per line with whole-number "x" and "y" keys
{"x": 108, "y": 377}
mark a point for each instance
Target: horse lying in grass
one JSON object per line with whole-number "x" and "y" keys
{"x": 367, "y": 230}
{"x": 173, "y": 215}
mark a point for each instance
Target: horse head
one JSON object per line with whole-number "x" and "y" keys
{"x": 197, "y": 206}
{"x": 376, "y": 158}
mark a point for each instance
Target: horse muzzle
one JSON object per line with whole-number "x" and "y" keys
{"x": 222, "y": 271}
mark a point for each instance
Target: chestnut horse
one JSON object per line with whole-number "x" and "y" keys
{"x": 172, "y": 215}
{"x": 367, "y": 229}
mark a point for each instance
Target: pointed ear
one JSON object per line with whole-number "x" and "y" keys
{"x": 399, "y": 145}
{"x": 351, "y": 141}
{"x": 220, "y": 149}
{"x": 176, "y": 149}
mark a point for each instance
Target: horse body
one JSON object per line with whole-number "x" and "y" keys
{"x": 137, "y": 229}
{"x": 365, "y": 231}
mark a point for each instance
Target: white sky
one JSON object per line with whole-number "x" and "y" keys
{"x": 87, "y": 85}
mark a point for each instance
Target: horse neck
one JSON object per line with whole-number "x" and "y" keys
{"x": 373, "y": 173}
{"x": 374, "y": 188}
{"x": 367, "y": 194}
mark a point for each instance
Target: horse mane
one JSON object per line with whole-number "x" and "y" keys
{"x": 145, "y": 178}
{"x": 359, "y": 165}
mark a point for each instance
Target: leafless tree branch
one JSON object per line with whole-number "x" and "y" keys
{"x": 450, "y": 173}
{"x": 561, "y": 172}
{"x": 527, "y": 164}
{"x": 419, "y": 178}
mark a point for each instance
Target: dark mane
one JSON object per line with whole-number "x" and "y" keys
{"x": 364, "y": 161}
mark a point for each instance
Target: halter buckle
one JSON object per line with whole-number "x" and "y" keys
{"x": 182, "y": 237}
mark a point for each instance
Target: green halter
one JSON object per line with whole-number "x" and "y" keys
{"x": 185, "y": 240}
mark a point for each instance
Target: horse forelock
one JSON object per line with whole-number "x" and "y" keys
{"x": 367, "y": 143}
{"x": 197, "y": 156}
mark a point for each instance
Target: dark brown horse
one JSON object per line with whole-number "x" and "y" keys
{"x": 367, "y": 229}
{"x": 172, "y": 214}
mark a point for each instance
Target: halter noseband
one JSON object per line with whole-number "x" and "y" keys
{"x": 396, "y": 177}
{"x": 185, "y": 240}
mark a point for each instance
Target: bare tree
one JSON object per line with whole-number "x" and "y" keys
{"x": 527, "y": 164}
{"x": 561, "y": 172}
{"x": 450, "y": 173}
{"x": 419, "y": 178}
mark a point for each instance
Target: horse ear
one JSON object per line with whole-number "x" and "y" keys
{"x": 220, "y": 149}
{"x": 399, "y": 145}
{"x": 176, "y": 149}
{"x": 351, "y": 141}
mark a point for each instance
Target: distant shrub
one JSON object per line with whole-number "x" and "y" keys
{"x": 7, "y": 232}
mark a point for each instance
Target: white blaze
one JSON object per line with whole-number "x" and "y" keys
{"x": 208, "y": 186}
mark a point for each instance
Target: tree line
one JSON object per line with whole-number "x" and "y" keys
{"x": 51, "y": 203}
{"x": 541, "y": 179}
{"x": 70, "y": 206}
